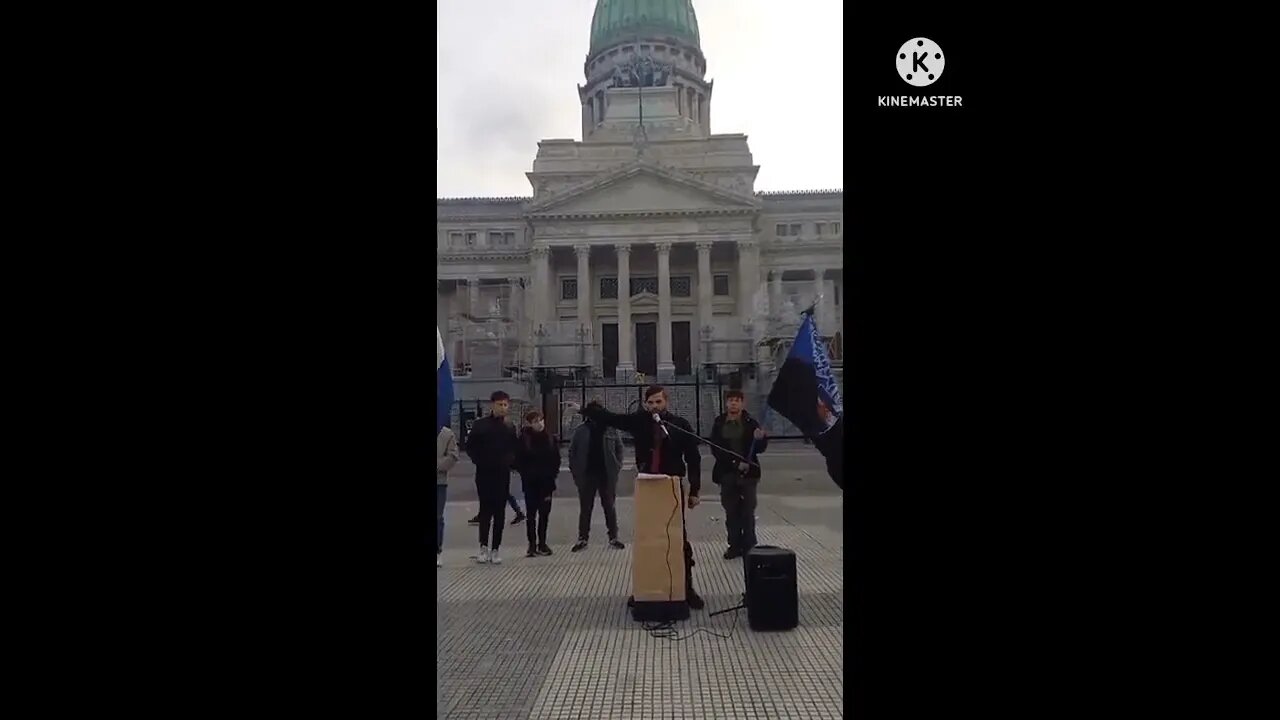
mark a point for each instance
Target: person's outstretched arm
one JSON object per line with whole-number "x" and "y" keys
{"x": 634, "y": 423}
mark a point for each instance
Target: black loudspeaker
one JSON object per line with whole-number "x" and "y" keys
{"x": 773, "y": 597}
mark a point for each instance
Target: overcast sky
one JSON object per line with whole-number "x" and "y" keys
{"x": 507, "y": 73}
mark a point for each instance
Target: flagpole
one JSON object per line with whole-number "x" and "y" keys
{"x": 764, "y": 417}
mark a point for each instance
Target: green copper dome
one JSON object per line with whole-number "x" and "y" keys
{"x": 619, "y": 20}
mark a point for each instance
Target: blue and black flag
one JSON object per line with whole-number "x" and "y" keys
{"x": 807, "y": 394}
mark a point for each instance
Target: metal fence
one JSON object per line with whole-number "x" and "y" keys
{"x": 696, "y": 399}
{"x": 466, "y": 412}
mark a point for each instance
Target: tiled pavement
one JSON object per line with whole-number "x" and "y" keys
{"x": 551, "y": 638}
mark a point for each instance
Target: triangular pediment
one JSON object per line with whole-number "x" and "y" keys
{"x": 643, "y": 188}
{"x": 643, "y": 299}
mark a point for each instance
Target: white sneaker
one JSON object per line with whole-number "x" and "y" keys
{"x": 439, "y": 561}
{"x": 481, "y": 557}
{"x": 493, "y": 558}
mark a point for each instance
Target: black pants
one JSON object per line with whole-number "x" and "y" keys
{"x": 492, "y": 512}
{"x": 688, "y": 549}
{"x": 738, "y": 496}
{"x": 511, "y": 499}
{"x": 539, "y": 513}
{"x": 591, "y": 486}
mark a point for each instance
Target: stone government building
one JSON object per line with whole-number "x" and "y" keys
{"x": 644, "y": 252}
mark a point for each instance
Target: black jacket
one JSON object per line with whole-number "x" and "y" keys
{"x": 538, "y": 462}
{"x": 679, "y": 453}
{"x": 831, "y": 445}
{"x": 491, "y": 445}
{"x": 724, "y": 461}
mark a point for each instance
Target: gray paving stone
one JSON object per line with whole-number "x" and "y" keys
{"x": 551, "y": 638}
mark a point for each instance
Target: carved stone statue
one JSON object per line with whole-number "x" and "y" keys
{"x": 641, "y": 72}
{"x": 621, "y": 78}
{"x": 662, "y": 76}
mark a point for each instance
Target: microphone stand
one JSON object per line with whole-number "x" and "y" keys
{"x": 699, "y": 438}
{"x": 741, "y": 606}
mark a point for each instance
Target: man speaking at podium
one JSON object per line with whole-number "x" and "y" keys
{"x": 662, "y": 452}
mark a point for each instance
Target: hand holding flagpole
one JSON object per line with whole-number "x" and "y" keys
{"x": 764, "y": 422}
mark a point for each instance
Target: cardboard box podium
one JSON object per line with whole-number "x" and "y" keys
{"x": 657, "y": 561}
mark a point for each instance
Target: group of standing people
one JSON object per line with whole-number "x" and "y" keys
{"x": 595, "y": 461}
{"x": 496, "y": 449}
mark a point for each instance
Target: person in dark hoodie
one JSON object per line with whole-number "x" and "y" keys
{"x": 661, "y": 452}
{"x": 492, "y": 445}
{"x": 595, "y": 457}
{"x": 738, "y": 481}
{"x": 538, "y": 462}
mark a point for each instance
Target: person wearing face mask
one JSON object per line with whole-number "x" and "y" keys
{"x": 538, "y": 462}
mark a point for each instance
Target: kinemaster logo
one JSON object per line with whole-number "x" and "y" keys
{"x": 920, "y": 63}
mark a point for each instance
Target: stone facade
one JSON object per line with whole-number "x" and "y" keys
{"x": 643, "y": 228}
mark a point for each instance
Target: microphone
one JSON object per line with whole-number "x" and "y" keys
{"x": 657, "y": 419}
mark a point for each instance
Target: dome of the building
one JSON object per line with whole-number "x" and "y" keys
{"x": 618, "y": 20}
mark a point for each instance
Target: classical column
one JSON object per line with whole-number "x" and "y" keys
{"x": 748, "y": 277}
{"x": 541, "y": 292}
{"x": 583, "y": 251}
{"x": 473, "y": 298}
{"x": 819, "y": 313}
{"x": 517, "y": 314}
{"x": 443, "y": 302}
{"x": 704, "y": 293}
{"x": 459, "y": 305}
{"x": 626, "y": 360}
{"x": 828, "y": 326}
{"x": 775, "y": 293}
{"x": 666, "y": 368}
{"x": 516, "y": 299}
